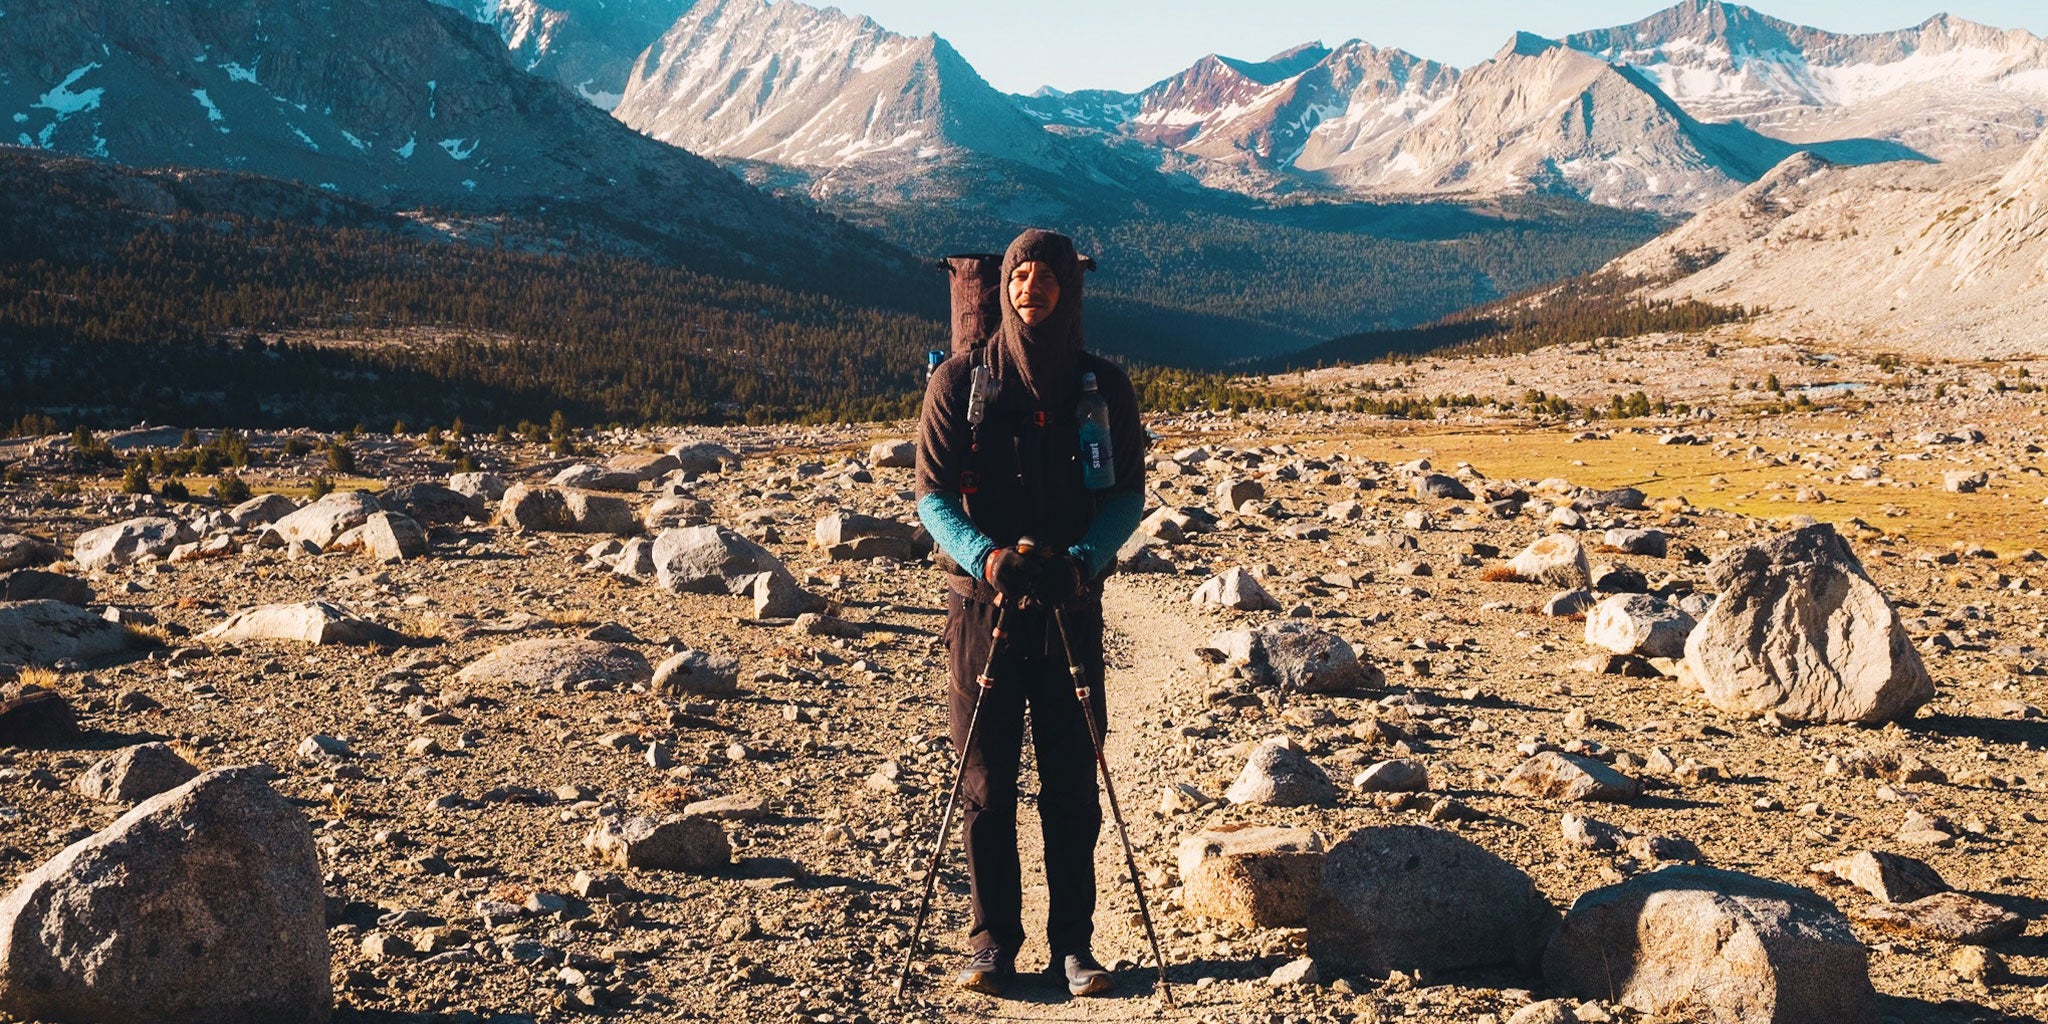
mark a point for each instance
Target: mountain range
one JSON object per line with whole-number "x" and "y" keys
{"x": 815, "y": 150}
{"x": 408, "y": 105}
{"x": 1669, "y": 113}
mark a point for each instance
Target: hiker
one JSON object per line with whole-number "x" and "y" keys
{"x": 982, "y": 488}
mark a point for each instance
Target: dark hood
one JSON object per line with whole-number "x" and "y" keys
{"x": 1042, "y": 356}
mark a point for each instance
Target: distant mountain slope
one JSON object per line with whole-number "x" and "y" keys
{"x": 587, "y": 45}
{"x": 1946, "y": 88}
{"x": 403, "y": 103}
{"x": 1542, "y": 115}
{"x": 1950, "y": 261}
{"x": 795, "y": 85}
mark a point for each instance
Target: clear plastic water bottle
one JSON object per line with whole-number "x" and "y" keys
{"x": 1098, "y": 456}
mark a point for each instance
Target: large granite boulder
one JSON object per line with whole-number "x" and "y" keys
{"x": 1557, "y": 560}
{"x": 1295, "y": 656}
{"x": 323, "y": 522}
{"x": 47, "y": 632}
{"x": 1714, "y": 945}
{"x": 1256, "y": 875}
{"x": 201, "y": 905}
{"x": 126, "y": 542}
{"x": 1409, "y": 897}
{"x": 711, "y": 560}
{"x": 555, "y": 510}
{"x": 1640, "y": 624}
{"x": 310, "y": 622}
{"x": 19, "y": 551}
{"x": 135, "y": 773}
{"x": 44, "y": 585}
{"x": 559, "y": 664}
{"x": 434, "y": 503}
{"x": 1800, "y": 630}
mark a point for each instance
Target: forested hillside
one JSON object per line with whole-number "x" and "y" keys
{"x": 320, "y": 311}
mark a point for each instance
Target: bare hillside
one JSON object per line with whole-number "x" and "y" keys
{"x": 1945, "y": 260}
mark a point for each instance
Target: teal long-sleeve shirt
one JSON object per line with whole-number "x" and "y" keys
{"x": 1116, "y": 518}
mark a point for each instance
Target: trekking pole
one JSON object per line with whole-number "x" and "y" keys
{"x": 1083, "y": 691}
{"x": 983, "y": 683}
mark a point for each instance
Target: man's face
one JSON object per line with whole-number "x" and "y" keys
{"x": 1034, "y": 291}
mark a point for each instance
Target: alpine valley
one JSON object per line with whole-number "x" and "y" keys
{"x": 813, "y": 159}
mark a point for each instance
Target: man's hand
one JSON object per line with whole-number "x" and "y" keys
{"x": 1060, "y": 578}
{"x": 1011, "y": 572}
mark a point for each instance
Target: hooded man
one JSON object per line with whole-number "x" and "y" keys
{"x": 981, "y": 488}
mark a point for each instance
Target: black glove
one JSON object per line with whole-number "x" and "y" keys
{"x": 1011, "y": 572}
{"x": 1060, "y": 578}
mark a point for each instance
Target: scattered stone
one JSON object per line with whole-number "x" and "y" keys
{"x": 699, "y": 673}
{"x": 390, "y": 537}
{"x": 1800, "y": 631}
{"x": 557, "y": 510}
{"x": 433, "y": 503}
{"x": 1567, "y": 603}
{"x": 1414, "y": 898}
{"x": 1295, "y": 656}
{"x": 676, "y": 843}
{"x": 203, "y": 903}
{"x": 1979, "y": 966}
{"x": 1887, "y": 876}
{"x": 484, "y": 488}
{"x": 1945, "y": 917}
{"x": 19, "y": 551}
{"x": 698, "y": 458}
{"x": 323, "y": 522}
{"x": 1638, "y": 624}
{"x": 124, "y": 543}
{"x": 47, "y": 632}
{"x": 43, "y": 585}
{"x": 1280, "y": 774}
{"x": 1549, "y": 1011}
{"x": 743, "y": 807}
{"x": 1652, "y": 543}
{"x": 1437, "y": 485}
{"x": 893, "y": 454}
{"x": 312, "y": 622}
{"x": 1554, "y": 776}
{"x": 135, "y": 774}
{"x": 1397, "y": 776}
{"x": 322, "y": 747}
{"x": 1236, "y": 589}
{"x": 711, "y": 560}
{"x": 1591, "y": 834}
{"x": 1714, "y": 945}
{"x": 846, "y": 536}
{"x": 559, "y": 665}
{"x": 586, "y": 477}
{"x": 36, "y": 718}
{"x": 777, "y": 595}
{"x": 1294, "y": 972}
{"x": 1556, "y": 560}
{"x": 1258, "y": 876}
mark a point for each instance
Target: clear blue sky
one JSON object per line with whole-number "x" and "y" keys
{"x": 1019, "y": 45}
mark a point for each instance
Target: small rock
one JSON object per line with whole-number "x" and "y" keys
{"x": 135, "y": 774}
{"x": 1554, "y": 776}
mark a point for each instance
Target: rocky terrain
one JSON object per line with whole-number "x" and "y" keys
{"x": 651, "y": 729}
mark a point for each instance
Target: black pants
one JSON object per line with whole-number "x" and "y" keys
{"x": 1030, "y": 675}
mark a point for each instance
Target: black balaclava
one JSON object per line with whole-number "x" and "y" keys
{"x": 1043, "y": 355}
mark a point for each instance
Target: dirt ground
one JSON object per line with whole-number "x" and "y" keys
{"x": 844, "y": 737}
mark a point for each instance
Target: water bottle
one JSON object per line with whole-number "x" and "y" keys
{"x": 1098, "y": 456}
{"x": 932, "y": 359}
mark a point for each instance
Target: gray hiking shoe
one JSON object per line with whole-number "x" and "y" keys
{"x": 987, "y": 971}
{"x": 1085, "y": 976}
